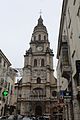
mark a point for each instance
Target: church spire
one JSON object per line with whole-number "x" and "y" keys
{"x": 40, "y": 26}
{"x": 40, "y": 21}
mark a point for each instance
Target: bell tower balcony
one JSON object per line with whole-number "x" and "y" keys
{"x": 33, "y": 98}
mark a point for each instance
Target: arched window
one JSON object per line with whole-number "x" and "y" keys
{"x": 44, "y": 37}
{"x": 38, "y": 80}
{"x": 39, "y": 37}
{"x": 42, "y": 62}
{"x": 35, "y": 62}
{"x": 54, "y": 93}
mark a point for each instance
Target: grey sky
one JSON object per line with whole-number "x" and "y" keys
{"x": 17, "y": 21}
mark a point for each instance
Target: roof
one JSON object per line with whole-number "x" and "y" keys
{"x": 40, "y": 26}
{"x": 5, "y": 58}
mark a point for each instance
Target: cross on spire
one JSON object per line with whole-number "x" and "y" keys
{"x": 40, "y": 12}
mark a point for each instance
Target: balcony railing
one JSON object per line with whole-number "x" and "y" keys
{"x": 32, "y": 99}
{"x": 36, "y": 99}
{"x": 66, "y": 71}
{"x": 65, "y": 65}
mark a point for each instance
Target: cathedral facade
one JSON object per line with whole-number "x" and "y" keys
{"x": 38, "y": 86}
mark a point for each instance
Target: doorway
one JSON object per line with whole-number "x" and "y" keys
{"x": 38, "y": 111}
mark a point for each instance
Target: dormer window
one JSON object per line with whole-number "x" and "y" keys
{"x": 39, "y": 37}
{"x": 35, "y": 62}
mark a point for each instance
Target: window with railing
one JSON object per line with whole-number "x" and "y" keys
{"x": 65, "y": 58}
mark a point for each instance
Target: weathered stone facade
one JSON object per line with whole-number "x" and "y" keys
{"x": 38, "y": 87}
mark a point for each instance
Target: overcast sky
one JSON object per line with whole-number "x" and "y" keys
{"x": 17, "y": 21}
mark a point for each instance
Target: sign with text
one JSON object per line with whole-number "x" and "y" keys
{"x": 67, "y": 94}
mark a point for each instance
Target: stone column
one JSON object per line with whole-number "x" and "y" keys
{"x": 30, "y": 60}
{"x": 47, "y": 59}
{"x": 47, "y": 91}
{"x": 48, "y": 76}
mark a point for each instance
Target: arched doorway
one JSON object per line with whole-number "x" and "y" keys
{"x": 38, "y": 111}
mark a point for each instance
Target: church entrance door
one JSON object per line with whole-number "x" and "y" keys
{"x": 38, "y": 111}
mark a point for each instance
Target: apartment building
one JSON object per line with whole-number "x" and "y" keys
{"x": 7, "y": 80}
{"x": 68, "y": 54}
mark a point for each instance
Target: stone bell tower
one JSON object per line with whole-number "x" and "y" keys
{"x": 38, "y": 82}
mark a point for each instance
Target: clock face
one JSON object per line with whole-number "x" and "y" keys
{"x": 39, "y": 48}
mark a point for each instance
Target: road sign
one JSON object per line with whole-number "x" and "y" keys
{"x": 5, "y": 93}
{"x": 67, "y": 94}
